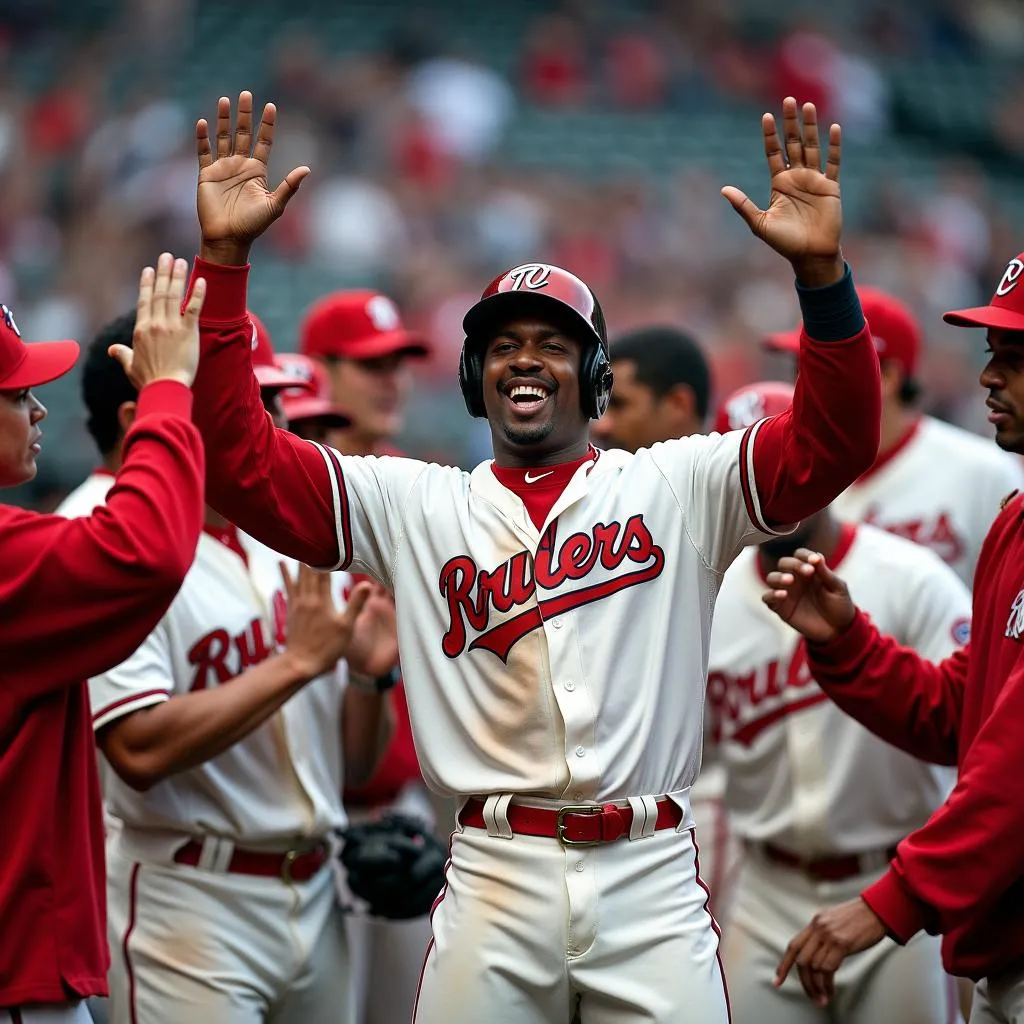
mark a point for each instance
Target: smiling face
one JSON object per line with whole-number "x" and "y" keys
{"x": 531, "y": 385}
{"x": 1003, "y": 376}
{"x": 20, "y": 415}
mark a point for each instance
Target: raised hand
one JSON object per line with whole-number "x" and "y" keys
{"x": 374, "y": 647}
{"x": 804, "y": 219}
{"x": 234, "y": 199}
{"x": 808, "y": 595}
{"x": 165, "y": 344}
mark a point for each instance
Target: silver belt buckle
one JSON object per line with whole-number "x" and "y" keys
{"x": 576, "y": 809}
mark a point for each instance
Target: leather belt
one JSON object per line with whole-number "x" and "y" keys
{"x": 827, "y": 869}
{"x": 574, "y": 824}
{"x": 297, "y": 865}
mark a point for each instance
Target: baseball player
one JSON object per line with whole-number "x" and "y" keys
{"x": 75, "y": 599}
{"x": 223, "y": 736}
{"x": 933, "y": 483}
{"x": 960, "y": 874}
{"x": 554, "y": 604}
{"x": 661, "y": 391}
{"x": 819, "y": 802}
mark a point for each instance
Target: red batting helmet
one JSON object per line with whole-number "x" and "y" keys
{"x": 751, "y": 403}
{"x": 546, "y": 291}
{"x": 310, "y": 397}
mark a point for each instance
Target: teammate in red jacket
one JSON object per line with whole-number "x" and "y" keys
{"x": 76, "y": 598}
{"x": 962, "y": 874}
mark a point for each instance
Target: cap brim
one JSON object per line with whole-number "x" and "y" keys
{"x": 491, "y": 314}
{"x": 783, "y": 341}
{"x": 986, "y": 316}
{"x": 315, "y": 408}
{"x": 274, "y": 377}
{"x": 390, "y": 343}
{"x": 44, "y": 361}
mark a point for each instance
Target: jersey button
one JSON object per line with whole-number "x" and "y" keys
{"x": 556, "y": 623}
{"x": 570, "y": 685}
{"x": 579, "y": 865}
{"x": 580, "y": 751}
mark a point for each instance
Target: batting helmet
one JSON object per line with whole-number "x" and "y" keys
{"x": 547, "y": 291}
{"x": 751, "y": 403}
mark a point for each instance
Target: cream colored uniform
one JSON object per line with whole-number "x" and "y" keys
{"x": 200, "y": 943}
{"x": 803, "y": 778}
{"x": 941, "y": 488}
{"x": 557, "y": 665}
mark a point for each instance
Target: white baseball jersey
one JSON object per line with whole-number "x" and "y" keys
{"x": 282, "y": 781}
{"x": 801, "y": 773}
{"x": 581, "y": 648}
{"x": 940, "y": 487}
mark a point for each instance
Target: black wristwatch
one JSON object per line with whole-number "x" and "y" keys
{"x": 378, "y": 684}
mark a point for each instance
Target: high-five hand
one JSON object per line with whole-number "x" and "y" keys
{"x": 234, "y": 199}
{"x": 165, "y": 343}
{"x": 808, "y": 595}
{"x": 804, "y": 219}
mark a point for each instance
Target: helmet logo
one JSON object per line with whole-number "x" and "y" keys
{"x": 8, "y": 318}
{"x": 529, "y": 275}
{"x": 1011, "y": 276}
{"x": 745, "y": 410}
{"x": 383, "y": 314}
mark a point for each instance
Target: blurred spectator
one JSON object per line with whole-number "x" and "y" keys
{"x": 554, "y": 70}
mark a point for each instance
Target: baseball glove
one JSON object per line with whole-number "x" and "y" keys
{"x": 395, "y": 865}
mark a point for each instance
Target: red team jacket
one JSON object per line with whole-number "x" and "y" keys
{"x": 76, "y": 598}
{"x": 961, "y": 874}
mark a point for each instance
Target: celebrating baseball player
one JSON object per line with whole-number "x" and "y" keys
{"x": 223, "y": 734}
{"x": 554, "y": 605}
{"x": 819, "y": 802}
{"x": 932, "y": 482}
{"x": 76, "y": 598}
{"x": 960, "y": 874}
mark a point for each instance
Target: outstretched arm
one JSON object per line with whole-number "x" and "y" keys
{"x": 803, "y": 458}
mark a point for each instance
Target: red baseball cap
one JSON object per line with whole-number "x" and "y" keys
{"x": 357, "y": 325}
{"x": 268, "y": 373}
{"x": 894, "y": 329}
{"x": 1006, "y": 310}
{"x": 29, "y": 366}
{"x": 309, "y": 397}
{"x": 752, "y": 402}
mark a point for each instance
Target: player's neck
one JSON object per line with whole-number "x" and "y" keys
{"x": 824, "y": 538}
{"x": 349, "y": 442}
{"x": 508, "y": 457}
{"x": 897, "y": 421}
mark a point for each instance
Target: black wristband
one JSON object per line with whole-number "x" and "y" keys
{"x": 380, "y": 684}
{"x": 831, "y": 312}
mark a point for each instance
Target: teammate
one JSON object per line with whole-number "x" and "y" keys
{"x": 960, "y": 874}
{"x": 555, "y": 681}
{"x": 934, "y": 483}
{"x": 224, "y": 735}
{"x": 818, "y": 801}
{"x": 75, "y": 599}
{"x": 662, "y": 390}
{"x": 307, "y": 406}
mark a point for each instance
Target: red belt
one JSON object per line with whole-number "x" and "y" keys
{"x": 574, "y": 824}
{"x": 293, "y": 866}
{"x": 828, "y": 869}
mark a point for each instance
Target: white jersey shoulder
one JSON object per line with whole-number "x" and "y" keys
{"x": 800, "y": 773}
{"x": 565, "y": 660}
{"x": 87, "y": 496}
{"x": 941, "y": 488}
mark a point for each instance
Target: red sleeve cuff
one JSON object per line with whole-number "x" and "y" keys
{"x": 166, "y": 397}
{"x": 902, "y": 914}
{"x": 225, "y": 301}
{"x": 847, "y": 647}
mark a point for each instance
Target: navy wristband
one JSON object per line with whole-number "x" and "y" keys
{"x": 832, "y": 312}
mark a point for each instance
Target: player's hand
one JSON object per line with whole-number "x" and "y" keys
{"x": 373, "y": 650}
{"x": 831, "y": 937}
{"x": 318, "y": 634}
{"x": 804, "y": 219}
{"x": 165, "y": 344}
{"x": 234, "y": 199}
{"x": 808, "y": 595}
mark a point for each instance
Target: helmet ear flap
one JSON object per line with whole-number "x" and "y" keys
{"x": 595, "y": 382}
{"x": 471, "y": 379}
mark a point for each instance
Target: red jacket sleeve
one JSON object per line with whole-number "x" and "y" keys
{"x": 808, "y": 455}
{"x": 963, "y": 860}
{"x": 78, "y": 596}
{"x": 268, "y": 482}
{"x": 902, "y": 698}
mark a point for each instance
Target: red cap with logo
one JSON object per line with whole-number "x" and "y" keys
{"x": 1005, "y": 311}
{"x": 894, "y": 330}
{"x": 309, "y": 397}
{"x": 264, "y": 366}
{"x": 357, "y": 325}
{"x": 753, "y": 402}
{"x": 29, "y": 366}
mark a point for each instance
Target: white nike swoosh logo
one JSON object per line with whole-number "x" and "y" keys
{"x": 540, "y": 476}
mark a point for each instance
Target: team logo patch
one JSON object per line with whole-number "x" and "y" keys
{"x": 529, "y": 275}
{"x": 8, "y": 316}
{"x": 383, "y": 313}
{"x": 1015, "y": 623}
{"x": 962, "y": 631}
{"x": 1011, "y": 275}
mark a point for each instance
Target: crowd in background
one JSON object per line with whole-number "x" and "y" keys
{"x": 424, "y": 183}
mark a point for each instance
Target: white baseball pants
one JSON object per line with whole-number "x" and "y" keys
{"x": 58, "y": 1013}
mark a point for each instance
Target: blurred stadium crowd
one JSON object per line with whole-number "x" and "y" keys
{"x": 452, "y": 138}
